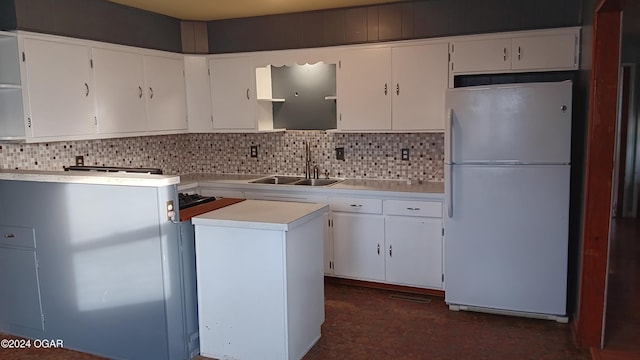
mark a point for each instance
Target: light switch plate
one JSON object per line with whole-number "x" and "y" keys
{"x": 340, "y": 153}
{"x": 254, "y": 151}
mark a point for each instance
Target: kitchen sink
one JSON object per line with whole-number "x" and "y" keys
{"x": 316, "y": 182}
{"x": 294, "y": 180}
{"x": 277, "y": 180}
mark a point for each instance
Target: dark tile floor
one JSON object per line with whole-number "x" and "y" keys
{"x": 363, "y": 323}
{"x": 622, "y": 327}
{"x": 366, "y": 323}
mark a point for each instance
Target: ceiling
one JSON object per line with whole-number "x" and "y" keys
{"x": 225, "y": 9}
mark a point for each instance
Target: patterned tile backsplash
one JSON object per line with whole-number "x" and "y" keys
{"x": 367, "y": 155}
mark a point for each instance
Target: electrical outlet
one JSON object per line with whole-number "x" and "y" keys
{"x": 254, "y": 151}
{"x": 340, "y": 153}
{"x": 79, "y": 160}
{"x": 405, "y": 154}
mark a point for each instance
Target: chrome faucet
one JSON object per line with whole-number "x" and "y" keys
{"x": 307, "y": 161}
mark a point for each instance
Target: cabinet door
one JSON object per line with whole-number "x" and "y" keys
{"x": 196, "y": 69}
{"x": 358, "y": 246}
{"x": 233, "y": 93}
{"x": 60, "y": 89}
{"x": 414, "y": 251}
{"x": 327, "y": 237}
{"x": 481, "y": 55}
{"x": 166, "y": 94}
{"x": 419, "y": 83}
{"x": 120, "y": 91}
{"x": 364, "y": 90}
{"x": 545, "y": 52}
{"x": 20, "y": 296}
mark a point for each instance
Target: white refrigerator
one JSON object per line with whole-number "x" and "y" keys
{"x": 507, "y": 165}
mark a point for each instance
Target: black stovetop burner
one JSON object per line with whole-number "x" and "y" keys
{"x": 190, "y": 200}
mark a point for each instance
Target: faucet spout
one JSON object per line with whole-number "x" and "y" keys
{"x": 307, "y": 160}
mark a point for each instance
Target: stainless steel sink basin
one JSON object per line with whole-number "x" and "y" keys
{"x": 316, "y": 182}
{"x": 277, "y": 180}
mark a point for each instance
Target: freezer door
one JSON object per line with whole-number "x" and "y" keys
{"x": 528, "y": 123}
{"x": 506, "y": 240}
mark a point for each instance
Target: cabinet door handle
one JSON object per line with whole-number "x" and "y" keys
{"x": 518, "y": 52}
{"x": 504, "y": 57}
{"x": 398, "y": 89}
{"x": 356, "y": 205}
{"x": 139, "y": 92}
{"x": 385, "y": 89}
{"x": 247, "y": 94}
{"x": 86, "y": 87}
{"x": 9, "y": 236}
{"x": 150, "y": 92}
{"x": 378, "y": 249}
{"x": 413, "y": 208}
{"x": 390, "y": 250}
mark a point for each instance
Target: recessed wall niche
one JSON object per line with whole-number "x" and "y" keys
{"x": 308, "y": 92}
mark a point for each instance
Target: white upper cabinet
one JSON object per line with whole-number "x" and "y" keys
{"x": 419, "y": 83}
{"x": 540, "y": 50}
{"x": 364, "y": 90}
{"x": 393, "y": 88}
{"x": 59, "y": 101}
{"x": 139, "y": 93}
{"x": 166, "y": 93}
{"x": 480, "y": 55}
{"x": 545, "y": 52}
{"x": 233, "y": 94}
{"x": 196, "y": 70}
{"x": 120, "y": 91}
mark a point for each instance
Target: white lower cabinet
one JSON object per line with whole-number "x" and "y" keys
{"x": 413, "y": 251}
{"x": 392, "y": 241}
{"x": 358, "y": 246}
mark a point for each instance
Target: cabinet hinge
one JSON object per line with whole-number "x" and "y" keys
{"x": 28, "y": 122}
{"x": 95, "y": 120}
{"x": 330, "y": 264}
{"x": 24, "y": 57}
{"x": 449, "y": 57}
{"x": 339, "y": 64}
{"x": 443, "y": 231}
{"x": 91, "y": 63}
{"x": 209, "y": 72}
{"x": 442, "y": 277}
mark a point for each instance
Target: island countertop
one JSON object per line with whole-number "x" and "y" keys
{"x": 260, "y": 214}
{"x": 90, "y": 177}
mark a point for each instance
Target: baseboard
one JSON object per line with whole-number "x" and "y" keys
{"x": 382, "y": 286}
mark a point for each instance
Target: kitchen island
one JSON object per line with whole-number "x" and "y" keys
{"x": 260, "y": 279}
{"x": 93, "y": 259}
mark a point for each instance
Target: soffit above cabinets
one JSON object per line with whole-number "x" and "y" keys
{"x": 204, "y": 10}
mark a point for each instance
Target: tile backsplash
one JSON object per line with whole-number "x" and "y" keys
{"x": 367, "y": 155}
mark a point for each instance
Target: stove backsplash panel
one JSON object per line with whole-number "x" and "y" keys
{"x": 367, "y": 155}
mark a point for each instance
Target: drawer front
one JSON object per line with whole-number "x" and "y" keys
{"x": 357, "y": 205}
{"x": 286, "y": 197}
{"x": 16, "y": 236}
{"x": 413, "y": 208}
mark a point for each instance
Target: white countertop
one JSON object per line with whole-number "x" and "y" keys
{"x": 91, "y": 177}
{"x": 260, "y": 214}
{"x": 395, "y": 186}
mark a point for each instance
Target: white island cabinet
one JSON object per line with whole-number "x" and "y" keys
{"x": 260, "y": 279}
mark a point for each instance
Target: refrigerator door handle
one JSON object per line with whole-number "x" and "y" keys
{"x": 449, "y": 189}
{"x": 449, "y": 137}
{"x": 448, "y": 160}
